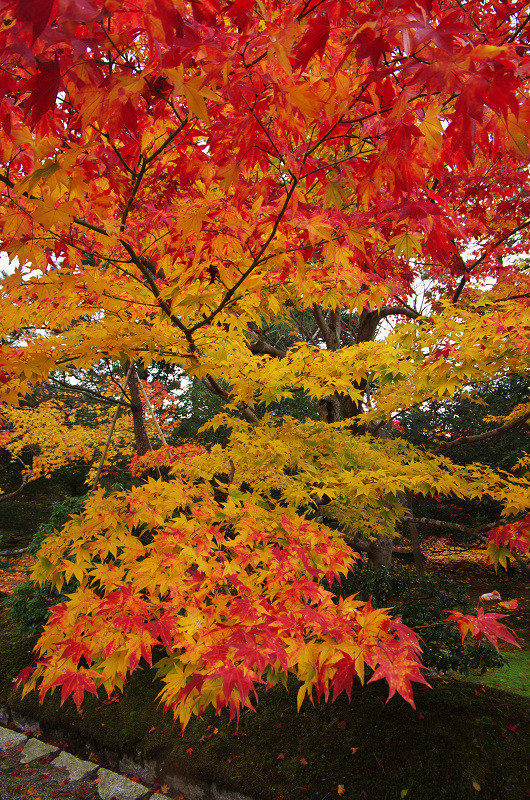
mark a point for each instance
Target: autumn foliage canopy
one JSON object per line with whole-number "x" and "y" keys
{"x": 175, "y": 178}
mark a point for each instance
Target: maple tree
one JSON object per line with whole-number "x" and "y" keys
{"x": 178, "y": 178}
{"x": 68, "y": 423}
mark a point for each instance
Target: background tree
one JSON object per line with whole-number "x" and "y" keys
{"x": 479, "y": 422}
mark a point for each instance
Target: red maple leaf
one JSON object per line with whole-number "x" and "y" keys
{"x": 313, "y": 41}
{"x": 44, "y": 86}
{"x": 75, "y": 683}
{"x": 36, "y": 13}
{"x": 399, "y": 669}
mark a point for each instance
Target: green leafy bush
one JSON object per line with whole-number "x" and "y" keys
{"x": 29, "y": 604}
{"x": 422, "y": 603}
{"x": 60, "y": 514}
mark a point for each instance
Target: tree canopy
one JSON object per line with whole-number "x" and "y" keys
{"x": 177, "y": 179}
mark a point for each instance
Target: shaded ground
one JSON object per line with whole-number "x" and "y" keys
{"x": 13, "y": 570}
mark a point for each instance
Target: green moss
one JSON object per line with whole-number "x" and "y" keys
{"x": 513, "y": 677}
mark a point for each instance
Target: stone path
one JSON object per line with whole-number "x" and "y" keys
{"x": 35, "y": 770}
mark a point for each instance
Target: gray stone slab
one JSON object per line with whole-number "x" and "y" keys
{"x": 145, "y": 771}
{"x": 158, "y": 796}
{"x": 116, "y": 786}
{"x": 34, "y": 749}
{"x": 76, "y": 769}
{"x": 9, "y": 738}
{"x": 226, "y": 794}
{"x": 25, "y": 724}
{"x": 198, "y": 790}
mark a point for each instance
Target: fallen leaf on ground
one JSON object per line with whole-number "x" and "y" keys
{"x": 511, "y": 605}
{"x": 11, "y": 576}
{"x": 490, "y": 597}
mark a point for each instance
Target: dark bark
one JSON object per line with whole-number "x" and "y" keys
{"x": 24, "y": 481}
{"x": 143, "y": 444}
{"x": 414, "y": 537}
{"x": 378, "y": 550}
{"x": 329, "y": 409}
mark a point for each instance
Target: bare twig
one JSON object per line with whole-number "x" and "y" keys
{"x": 4, "y": 553}
{"x": 153, "y": 415}
{"x": 111, "y": 401}
{"x": 111, "y": 430}
{"x": 25, "y": 478}
{"x": 480, "y": 437}
{"x": 474, "y": 532}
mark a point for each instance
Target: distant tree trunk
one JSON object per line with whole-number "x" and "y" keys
{"x": 143, "y": 444}
{"x": 415, "y": 540}
{"x": 380, "y": 550}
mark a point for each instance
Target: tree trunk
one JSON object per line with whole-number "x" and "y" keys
{"x": 414, "y": 537}
{"x": 143, "y": 445}
{"x": 380, "y": 551}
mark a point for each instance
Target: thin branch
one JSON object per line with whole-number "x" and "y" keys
{"x": 215, "y": 388}
{"x": 474, "y": 532}
{"x": 398, "y": 311}
{"x": 255, "y": 263}
{"x": 323, "y": 325}
{"x": 452, "y": 526}
{"x": 95, "y": 228}
{"x": 25, "y": 478}
{"x": 524, "y": 296}
{"x": 264, "y": 348}
{"x": 480, "y": 437}
{"x": 4, "y": 553}
{"x": 111, "y": 430}
{"x": 152, "y": 412}
{"x": 459, "y": 289}
{"x": 168, "y": 141}
{"x": 111, "y": 401}
{"x": 148, "y": 275}
{"x": 496, "y": 243}
{"x": 519, "y": 28}
{"x": 134, "y": 190}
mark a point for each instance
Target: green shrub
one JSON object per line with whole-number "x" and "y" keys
{"x": 29, "y": 604}
{"x": 60, "y": 514}
{"x": 422, "y": 603}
